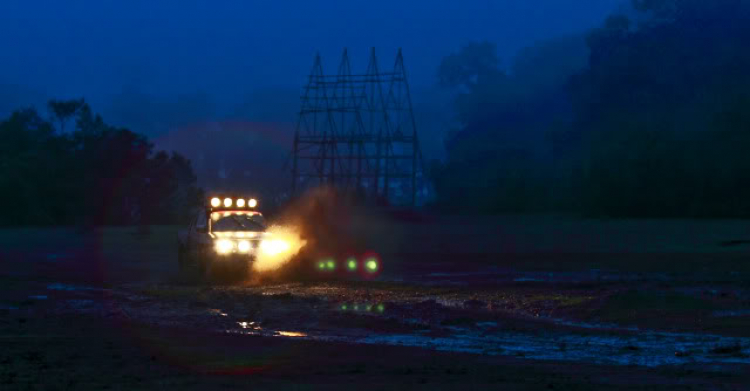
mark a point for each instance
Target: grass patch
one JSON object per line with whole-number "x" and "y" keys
{"x": 649, "y": 300}
{"x": 559, "y": 300}
{"x": 459, "y": 321}
{"x": 733, "y": 349}
{"x": 169, "y": 293}
{"x": 656, "y": 309}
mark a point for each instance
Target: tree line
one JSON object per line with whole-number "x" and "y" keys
{"x": 646, "y": 116}
{"x": 73, "y": 168}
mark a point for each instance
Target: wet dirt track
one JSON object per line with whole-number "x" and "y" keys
{"x": 599, "y": 317}
{"x": 488, "y": 322}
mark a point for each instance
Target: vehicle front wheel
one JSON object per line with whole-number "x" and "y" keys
{"x": 221, "y": 273}
{"x": 190, "y": 268}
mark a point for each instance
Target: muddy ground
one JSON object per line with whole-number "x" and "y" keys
{"x": 507, "y": 303}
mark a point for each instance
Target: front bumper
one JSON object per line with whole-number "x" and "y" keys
{"x": 232, "y": 258}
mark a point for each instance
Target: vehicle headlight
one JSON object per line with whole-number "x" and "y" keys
{"x": 224, "y": 246}
{"x": 215, "y": 202}
{"x": 240, "y": 203}
{"x": 252, "y": 202}
{"x": 274, "y": 246}
{"x": 243, "y": 246}
{"x": 227, "y": 202}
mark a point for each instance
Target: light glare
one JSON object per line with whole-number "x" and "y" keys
{"x": 252, "y": 202}
{"x": 215, "y": 202}
{"x": 227, "y": 202}
{"x": 243, "y": 246}
{"x": 224, "y": 246}
{"x": 274, "y": 246}
{"x": 240, "y": 203}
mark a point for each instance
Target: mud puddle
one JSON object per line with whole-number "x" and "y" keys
{"x": 599, "y": 343}
{"x": 321, "y": 313}
{"x": 647, "y": 349}
{"x": 501, "y": 275}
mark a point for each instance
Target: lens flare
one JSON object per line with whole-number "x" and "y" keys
{"x": 282, "y": 244}
{"x": 371, "y": 265}
{"x": 351, "y": 263}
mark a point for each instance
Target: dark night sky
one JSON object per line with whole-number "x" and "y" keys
{"x": 226, "y": 51}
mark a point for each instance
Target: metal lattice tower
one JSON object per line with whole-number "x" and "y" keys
{"x": 357, "y": 131}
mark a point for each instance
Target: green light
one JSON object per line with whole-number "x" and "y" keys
{"x": 352, "y": 264}
{"x": 369, "y": 307}
{"x": 356, "y": 307}
{"x": 331, "y": 265}
{"x": 344, "y": 307}
{"x": 321, "y": 265}
{"x": 371, "y": 265}
{"x": 381, "y": 308}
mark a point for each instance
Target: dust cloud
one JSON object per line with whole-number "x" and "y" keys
{"x": 325, "y": 223}
{"x": 283, "y": 244}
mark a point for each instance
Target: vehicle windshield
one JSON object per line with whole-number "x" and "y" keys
{"x": 238, "y": 222}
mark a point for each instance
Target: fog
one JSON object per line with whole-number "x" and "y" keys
{"x": 244, "y": 60}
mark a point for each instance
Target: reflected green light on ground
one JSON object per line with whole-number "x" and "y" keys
{"x": 362, "y": 307}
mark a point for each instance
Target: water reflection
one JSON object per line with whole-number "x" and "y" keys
{"x": 249, "y": 325}
{"x": 291, "y": 334}
{"x": 217, "y": 312}
{"x": 362, "y": 307}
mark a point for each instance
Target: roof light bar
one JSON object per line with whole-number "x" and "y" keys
{"x": 229, "y": 202}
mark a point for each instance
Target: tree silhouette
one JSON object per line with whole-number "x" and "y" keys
{"x": 95, "y": 174}
{"x": 64, "y": 110}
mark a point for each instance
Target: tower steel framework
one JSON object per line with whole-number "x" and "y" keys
{"x": 358, "y": 132}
